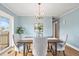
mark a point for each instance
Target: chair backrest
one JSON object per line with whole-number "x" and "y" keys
{"x": 66, "y": 39}
{"x": 39, "y": 46}
{"x": 15, "y": 38}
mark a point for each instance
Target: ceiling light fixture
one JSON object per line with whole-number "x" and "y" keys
{"x": 38, "y": 27}
{"x": 39, "y": 16}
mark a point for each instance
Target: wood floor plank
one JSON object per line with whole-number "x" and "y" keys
{"x": 69, "y": 52}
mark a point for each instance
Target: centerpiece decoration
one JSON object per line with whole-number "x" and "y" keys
{"x": 39, "y": 27}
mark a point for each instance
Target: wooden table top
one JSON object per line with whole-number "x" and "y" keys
{"x": 52, "y": 40}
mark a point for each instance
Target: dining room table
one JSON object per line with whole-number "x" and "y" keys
{"x": 27, "y": 41}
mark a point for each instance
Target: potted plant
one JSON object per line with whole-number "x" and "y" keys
{"x": 20, "y": 30}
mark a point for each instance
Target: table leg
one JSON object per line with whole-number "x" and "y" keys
{"x": 55, "y": 49}
{"x": 29, "y": 47}
{"x": 48, "y": 45}
{"x": 27, "y": 50}
{"x": 24, "y": 53}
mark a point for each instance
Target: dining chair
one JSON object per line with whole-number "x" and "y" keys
{"x": 61, "y": 46}
{"x": 39, "y": 46}
{"x": 18, "y": 46}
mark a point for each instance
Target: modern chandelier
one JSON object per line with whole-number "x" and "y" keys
{"x": 38, "y": 27}
{"x": 39, "y": 16}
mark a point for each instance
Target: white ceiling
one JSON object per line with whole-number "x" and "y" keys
{"x": 47, "y": 9}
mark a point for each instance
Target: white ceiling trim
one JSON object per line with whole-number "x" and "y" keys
{"x": 9, "y": 8}
{"x": 70, "y": 11}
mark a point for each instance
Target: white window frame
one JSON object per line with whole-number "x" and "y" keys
{"x": 11, "y": 28}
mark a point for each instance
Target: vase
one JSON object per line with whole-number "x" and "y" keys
{"x": 39, "y": 34}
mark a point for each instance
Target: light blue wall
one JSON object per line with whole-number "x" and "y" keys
{"x": 28, "y": 23}
{"x": 69, "y": 24}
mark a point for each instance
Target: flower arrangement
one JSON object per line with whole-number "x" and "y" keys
{"x": 38, "y": 27}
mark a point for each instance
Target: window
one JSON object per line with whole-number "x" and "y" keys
{"x": 4, "y": 32}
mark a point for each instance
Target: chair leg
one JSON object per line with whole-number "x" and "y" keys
{"x": 32, "y": 55}
{"x": 52, "y": 50}
{"x": 15, "y": 53}
{"x": 26, "y": 53}
{"x": 19, "y": 52}
{"x": 64, "y": 53}
{"x": 59, "y": 51}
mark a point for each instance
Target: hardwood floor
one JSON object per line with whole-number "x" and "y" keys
{"x": 68, "y": 51}
{"x": 71, "y": 52}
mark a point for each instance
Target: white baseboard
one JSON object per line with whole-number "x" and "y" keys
{"x": 72, "y": 47}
